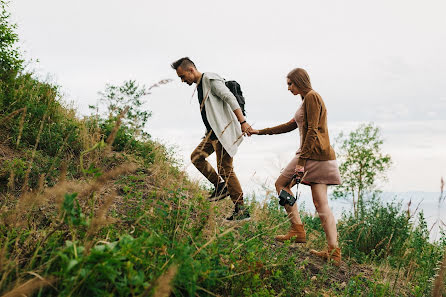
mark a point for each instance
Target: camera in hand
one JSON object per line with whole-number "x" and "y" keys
{"x": 298, "y": 177}
{"x": 287, "y": 198}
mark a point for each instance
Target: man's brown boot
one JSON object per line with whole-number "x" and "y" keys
{"x": 330, "y": 254}
{"x": 297, "y": 231}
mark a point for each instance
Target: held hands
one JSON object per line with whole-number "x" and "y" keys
{"x": 245, "y": 128}
{"x": 253, "y": 131}
{"x": 248, "y": 130}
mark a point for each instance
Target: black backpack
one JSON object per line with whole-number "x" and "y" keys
{"x": 235, "y": 89}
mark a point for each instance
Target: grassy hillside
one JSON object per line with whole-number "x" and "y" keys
{"x": 128, "y": 222}
{"x": 88, "y": 208}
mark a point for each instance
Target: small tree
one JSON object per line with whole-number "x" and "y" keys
{"x": 132, "y": 96}
{"x": 362, "y": 163}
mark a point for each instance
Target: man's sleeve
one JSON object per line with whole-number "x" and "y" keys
{"x": 219, "y": 89}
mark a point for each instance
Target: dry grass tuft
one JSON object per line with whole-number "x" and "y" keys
{"x": 209, "y": 230}
{"x": 21, "y": 124}
{"x": 41, "y": 183}
{"x": 160, "y": 83}
{"x": 439, "y": 280}
{"x": 442, "y": 197}
{"x": 29, "y": 200}
{"x": 13, "y": 114}
{"x": 100, "y": 181}
{"x": 11, "y": 180}
{"x": 112, "y": 136}
{"x": 101, "y": 219}
{"x": 212, "y": 240}
{"x": 3, "y": 255}
{"x": 29, "y": 287}
{"x": 63, "y": 171}
{"x": 164, "y": 288}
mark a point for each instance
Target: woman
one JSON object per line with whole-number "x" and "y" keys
{"x": 316, "y": 157}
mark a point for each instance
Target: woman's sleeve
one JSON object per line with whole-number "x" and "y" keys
{"x": 284, "y": 128}
{"x": 313, "y": 112}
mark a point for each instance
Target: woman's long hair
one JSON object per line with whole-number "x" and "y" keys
{"x": 300, "y": 78}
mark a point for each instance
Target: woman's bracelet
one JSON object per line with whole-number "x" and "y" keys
{"x": 243, "y": 122}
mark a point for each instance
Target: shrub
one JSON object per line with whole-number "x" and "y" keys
{"x": 378, "y": 232}
{"x": 384, "y": 234}
{"x": 11, "y": 61}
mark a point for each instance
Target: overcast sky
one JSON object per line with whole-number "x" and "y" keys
{"x": 375, "y": 61}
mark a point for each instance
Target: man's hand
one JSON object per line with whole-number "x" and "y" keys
{"x": 246, "y": 128}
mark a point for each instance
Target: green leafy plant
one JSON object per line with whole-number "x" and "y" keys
{"x": 73, "y": 215}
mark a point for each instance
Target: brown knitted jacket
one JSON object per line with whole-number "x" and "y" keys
{"x": 316, "y": 142}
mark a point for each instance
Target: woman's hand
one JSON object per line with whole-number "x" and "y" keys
{"x": 253, "y": 131}
{"x": 299, "y": 170}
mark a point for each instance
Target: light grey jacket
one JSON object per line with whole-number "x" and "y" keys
{"x": 220, "y": 104}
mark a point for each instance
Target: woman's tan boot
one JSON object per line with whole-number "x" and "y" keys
{"x": 331, "y": 253}
{"x": 297, "y": 231}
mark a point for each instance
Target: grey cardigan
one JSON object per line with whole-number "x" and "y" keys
{"x": 220, "y": 104}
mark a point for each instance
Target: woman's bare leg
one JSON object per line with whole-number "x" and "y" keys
{"x": 320, "y": 200}
{"x": 282, "y": 183}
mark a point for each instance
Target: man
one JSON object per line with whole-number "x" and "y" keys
{"x": 225, "y": 126}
